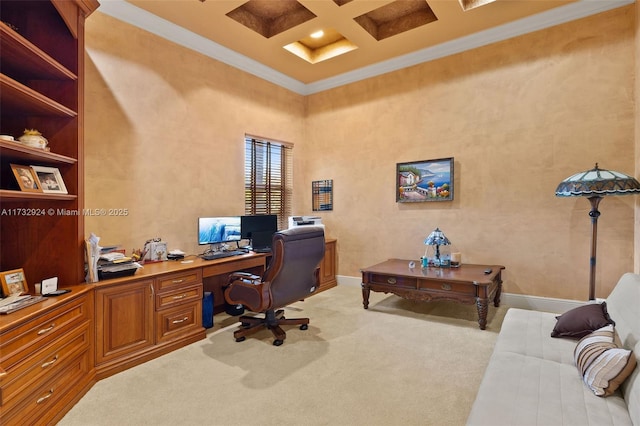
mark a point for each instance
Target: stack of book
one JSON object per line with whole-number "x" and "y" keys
{"x": 17, "y": 301}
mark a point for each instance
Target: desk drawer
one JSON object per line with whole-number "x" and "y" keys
{"x": 44, "y": 364}
{"x": 178, "y": 280}
{"x": 179, "y": 296}
{"x": 448, "y": 287}
{"x": 393, "y": 280}
{"x": 18, "y": 343}
{"x": 47, "y": 398}
{"x": 178, "y": 320}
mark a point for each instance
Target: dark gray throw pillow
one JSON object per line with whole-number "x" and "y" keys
{"x": 578, "y": 322}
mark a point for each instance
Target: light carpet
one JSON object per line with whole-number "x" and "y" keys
{"x": 398, "y": 363}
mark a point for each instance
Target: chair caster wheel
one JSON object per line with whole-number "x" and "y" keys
{"x": 278, "y": 342}
{"x": 304, "y": 326}
{"x": 240, "y": 339}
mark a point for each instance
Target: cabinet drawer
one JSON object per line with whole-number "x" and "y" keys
{"x": 448, "y": 286}
{"x": 18, "y": 343}
{"x": 45, "y": 401}
{"x": 179, "y": 296}
{"x": 43, "y": 364}
{"x": 393, "y": 280}
{"x": 178, "y": 320}
{"x": 179, "y": 279}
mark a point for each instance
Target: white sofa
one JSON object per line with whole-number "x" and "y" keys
{"x": 532, "y": 379}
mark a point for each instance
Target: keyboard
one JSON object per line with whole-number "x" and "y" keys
{"x": 222, "y": 254}
{"x": 262, "y": 250}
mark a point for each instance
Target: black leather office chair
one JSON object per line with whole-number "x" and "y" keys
{"x": 292, "y": 275}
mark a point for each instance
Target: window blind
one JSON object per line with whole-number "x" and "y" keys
{"x": 268, "y": 179}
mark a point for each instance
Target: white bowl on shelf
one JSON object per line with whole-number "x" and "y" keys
{"x": 33, "y": 141}
{"x": 7, "y": 138}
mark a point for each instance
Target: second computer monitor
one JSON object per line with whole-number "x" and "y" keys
{"x": 257, "y": 227}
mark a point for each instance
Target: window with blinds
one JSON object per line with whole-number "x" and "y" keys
{"x": 268, "y": 178}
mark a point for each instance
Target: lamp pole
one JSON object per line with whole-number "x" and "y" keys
{"x": 594, "y": 214}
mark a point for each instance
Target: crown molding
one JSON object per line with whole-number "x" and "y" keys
{"x": 126, "y": 12}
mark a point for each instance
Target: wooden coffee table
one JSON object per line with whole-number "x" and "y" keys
{"x": 467, "y": 284}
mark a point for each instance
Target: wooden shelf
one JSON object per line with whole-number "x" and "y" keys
{"x": 18, "y": 98}
{"x": 15, "y": 151}
{"x": 21, "y": 57}
{"x": 7, "y": 195}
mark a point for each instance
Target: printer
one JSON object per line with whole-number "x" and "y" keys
{"x": 295, "y": 221}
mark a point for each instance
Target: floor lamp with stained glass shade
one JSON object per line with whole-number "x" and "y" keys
{"x": 595, "y": 184}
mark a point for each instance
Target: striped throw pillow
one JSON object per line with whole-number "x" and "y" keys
{"x": 603, "y": 365}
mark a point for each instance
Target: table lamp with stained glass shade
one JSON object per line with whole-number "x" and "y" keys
{"x": 437, "y": 239}
{"x": 594, "y": 184}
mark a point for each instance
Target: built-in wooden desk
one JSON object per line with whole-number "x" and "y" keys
{"x": 159, "y": 309}
{"x": 52, "y": 352}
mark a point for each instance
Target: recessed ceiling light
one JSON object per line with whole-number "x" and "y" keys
{"x": 317, "y": 34}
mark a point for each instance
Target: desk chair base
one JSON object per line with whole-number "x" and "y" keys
{"x": 272, "y": 321}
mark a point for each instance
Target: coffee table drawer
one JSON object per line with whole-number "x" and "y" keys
{"x": 393, "y": 280}
{"x": 448, "y": 286}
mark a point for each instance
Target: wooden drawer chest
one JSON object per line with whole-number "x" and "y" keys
{"x": 48, "y": 361}
{"x": 178, "y": 304}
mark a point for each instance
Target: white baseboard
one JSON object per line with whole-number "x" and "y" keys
{"x": 522, "y": 301}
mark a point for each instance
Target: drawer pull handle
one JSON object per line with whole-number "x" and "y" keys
{"x": 180, "y": 320}
{"x": 48, "y": 363}
{"x": 46, "y": 330}
{"x": 182, "y": 296}
{"x": 391, "y": 280}
{"x": 44, "y": 398}
{"x": 177, "y": 281}
{"x": 446, "y": 286}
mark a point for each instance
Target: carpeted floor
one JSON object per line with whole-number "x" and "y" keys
{"x": 397, "y": 363}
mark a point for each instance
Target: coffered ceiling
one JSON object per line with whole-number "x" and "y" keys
{"x": 362, "y": 38}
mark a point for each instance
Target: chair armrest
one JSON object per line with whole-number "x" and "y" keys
{"x": 247, "y": 290}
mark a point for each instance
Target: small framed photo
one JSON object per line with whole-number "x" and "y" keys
{"x": 26, "y": 177}
{"x": 50, "y": 179}
{"x": 427, "y": 180}
{"x": 13, "y": 282}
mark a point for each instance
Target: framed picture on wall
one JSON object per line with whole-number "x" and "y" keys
{"x": 426, "y": 180}
{"x": 50, "y": 179}
{"x": 322, "y": 195}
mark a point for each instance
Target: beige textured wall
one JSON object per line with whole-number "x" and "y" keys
{"x": 164, "y": 131}
{"x": 164, "y": 134}
{"x": 518, "y": 116}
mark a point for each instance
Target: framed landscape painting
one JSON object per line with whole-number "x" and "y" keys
{"x": 427, "y": 180}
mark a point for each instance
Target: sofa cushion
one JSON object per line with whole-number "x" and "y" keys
{"x": 580, "y": 321}
{"x": 523, "y": 390}
{"x": 527, "y": 332}
{"x": 601, "y": 363}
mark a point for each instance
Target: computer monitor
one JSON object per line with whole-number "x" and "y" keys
{"x": 216, "y": 230}
{"x": 259, "y": 229}
{"x": 258, "y": 222}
